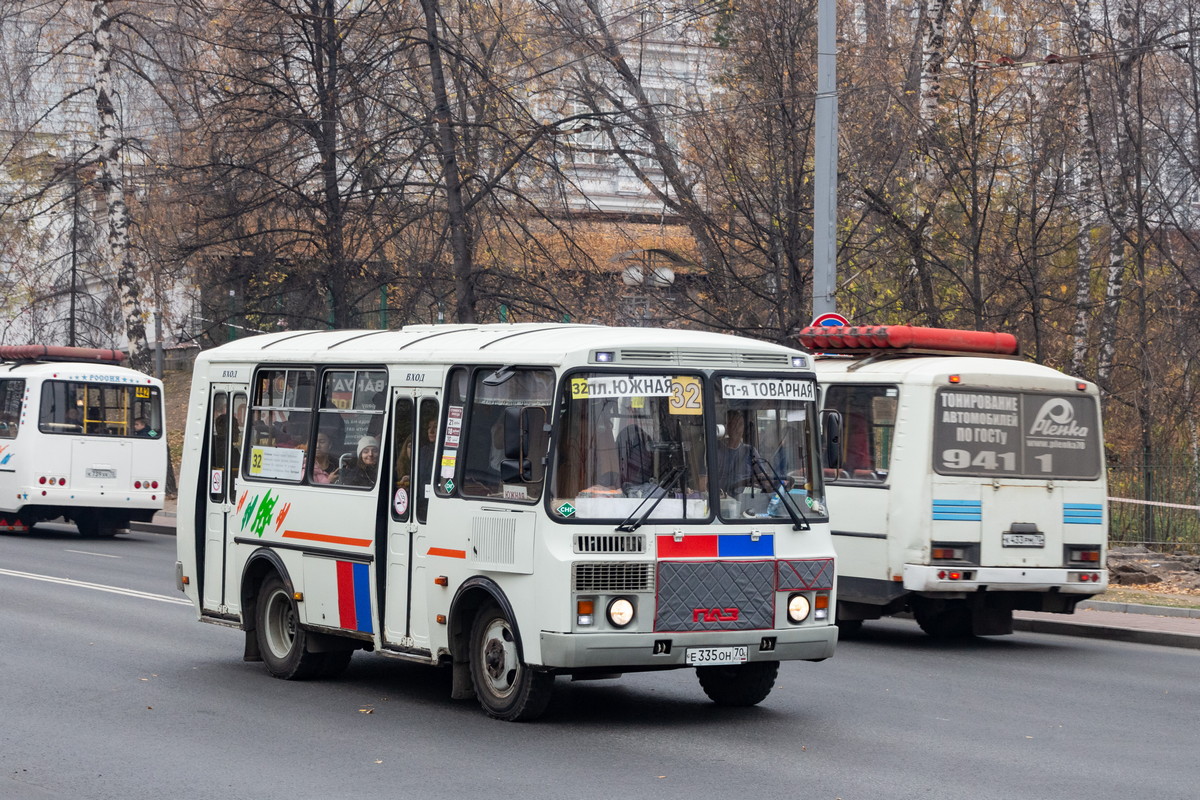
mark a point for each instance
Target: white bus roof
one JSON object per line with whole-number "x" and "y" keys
{"x": 936, "y": 369}
{"x": 74, "y": 371}
{"x": 535, "y": 343}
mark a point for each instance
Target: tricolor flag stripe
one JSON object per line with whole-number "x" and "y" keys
{"x": 347, "y": 613}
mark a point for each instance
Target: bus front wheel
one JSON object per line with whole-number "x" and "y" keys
{"x": 506, "y": 687}
{"x": 740, "y": 684}
{"x": 281, "y": 640}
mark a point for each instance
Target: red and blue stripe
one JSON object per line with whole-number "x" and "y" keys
{"x": 716, "y": 546}
{"x": 354, "y": 596}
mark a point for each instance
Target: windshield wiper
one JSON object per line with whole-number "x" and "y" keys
{"x": 759, "y": 466}
{"x": 660, "y": 489}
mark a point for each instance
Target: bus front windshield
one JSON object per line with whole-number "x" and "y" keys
{"x": 630, "y": 442}
{"x": 640, "y": 445}
{"x": 766, "y": 448}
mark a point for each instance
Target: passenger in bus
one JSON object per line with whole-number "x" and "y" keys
{"x": 323, "y": 465}
{"x": 74, "y": 419}
{"x": 141, "y": 427}
{"x": 635, "y": 457}
{"x": 859, "y": 461}
{"x": 362, "y": 471}
{"x": 735, "y": 456}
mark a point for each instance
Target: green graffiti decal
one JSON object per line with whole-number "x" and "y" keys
{"x": 258, "y": 515}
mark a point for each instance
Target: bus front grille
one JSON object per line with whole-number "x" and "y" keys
{"x": 612, "y": 576}
{"x": 610, "y": 543}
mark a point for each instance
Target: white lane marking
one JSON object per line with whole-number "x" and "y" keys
{"x": 162, "y": 598}
{"x": 90, "y": 553}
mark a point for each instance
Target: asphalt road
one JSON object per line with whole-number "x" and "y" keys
{"x": 113, "y": 690}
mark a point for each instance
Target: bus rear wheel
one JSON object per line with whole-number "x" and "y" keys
{"x": 98, "y": 526}
{"x": 739, "y": 684}
{"x": 281, "y": 641}
{"x": 506, "y": 687}
{"x": 944, "y": 619}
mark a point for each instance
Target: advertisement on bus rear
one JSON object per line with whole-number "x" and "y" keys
{"x": 1016, "y": 434}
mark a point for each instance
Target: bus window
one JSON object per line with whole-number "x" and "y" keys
{"x": 426, "y": 445}
{"x": 280, "y": 413}
{"x": 410, "y": 463}
{"x": 506, "y": 439}
{"x": 235, "y": 458}
{"x": 96, "y": 409}
{"x": 456, "y": 402}
{"x": 218, "y": 451}
{"x": 351, "y": 418}
{"x": 402, "y": 446}
{"x": 868, "y": 420}
{"x": 11, "y": 394}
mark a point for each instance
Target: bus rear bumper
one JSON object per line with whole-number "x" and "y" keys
{"x": 1075, "y": 580}
{"x": 669, "y": 649}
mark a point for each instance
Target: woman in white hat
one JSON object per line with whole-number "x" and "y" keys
{"x": 365, "y": 467}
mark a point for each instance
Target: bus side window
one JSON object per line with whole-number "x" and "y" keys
{"x": 446, "y": 469}
{"x": 11, "y": 393}
{"x": 868, "y": 419}
{"x": 350, "y": 417}
{"x": 506, "y": 441}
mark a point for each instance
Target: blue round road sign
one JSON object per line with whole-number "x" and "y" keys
{"x": 830, "y": 321}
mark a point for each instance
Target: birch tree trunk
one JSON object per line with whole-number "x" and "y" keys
{"x": 933, "y": 57}
{"x": 109, "y": 174}
{"x": 1085, "y": 201}
{"x": 1127, "y": 135}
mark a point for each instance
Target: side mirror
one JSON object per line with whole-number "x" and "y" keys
{"x": 831, "y": 434}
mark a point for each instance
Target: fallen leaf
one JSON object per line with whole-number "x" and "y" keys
{"x": 366, "y": 711}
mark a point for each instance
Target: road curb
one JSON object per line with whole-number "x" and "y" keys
{"x": 153, "y": 527}
{"x": 1135, "y": 635}
{"x": 1140, "y": 608}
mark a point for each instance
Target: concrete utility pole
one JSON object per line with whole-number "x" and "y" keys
{"x": 826, "y": 154}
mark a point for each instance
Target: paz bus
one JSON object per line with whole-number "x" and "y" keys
{"x": 515, "y": 502}
{"x": 966, "y": 482}
{"x": 81, "y": 437}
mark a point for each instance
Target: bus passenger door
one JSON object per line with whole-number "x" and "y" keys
{"x": 414, "y": 429}
{"x": 226, "y": 414}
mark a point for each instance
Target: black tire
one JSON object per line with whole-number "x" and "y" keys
{"x": 98, "y": 526}
{"x": 740, "y": 684}
{"x": 282, "y": 643}
{"x": 334, "y": 663}
{"x": 88, "y": 526}
{"x": 505, "y": 686}
{"x": 849, "y": 628}
{"x": 944, "y": 620}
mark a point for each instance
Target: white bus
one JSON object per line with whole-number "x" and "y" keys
{"x": 513, "y": 501}
{"x": 80, "y": 438}
{"x": 970, "y": 483}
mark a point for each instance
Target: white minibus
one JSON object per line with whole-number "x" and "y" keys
{"x": 81, "y": 438}
{"x": 515, "y": 502}
{"x": 966, "y": 483}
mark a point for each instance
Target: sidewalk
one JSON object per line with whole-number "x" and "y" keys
{"x": 163, "y": 522}
{"x": 1124, "y": 622}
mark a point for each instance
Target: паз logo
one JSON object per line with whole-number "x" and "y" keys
{"x": 1056, "y": 417}
{"x": 714, "y": 615}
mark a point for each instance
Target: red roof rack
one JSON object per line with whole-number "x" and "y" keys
{"x": 41, "y": 352}
{"x": 905, "y": 338}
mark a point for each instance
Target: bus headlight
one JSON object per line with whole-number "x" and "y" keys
{"x": 620, "y": 612}
{"x": 798, "y": 608}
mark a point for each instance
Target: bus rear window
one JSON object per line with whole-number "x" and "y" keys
{"x": 1018, "y": 434}
{"x": 100, "y": 409}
